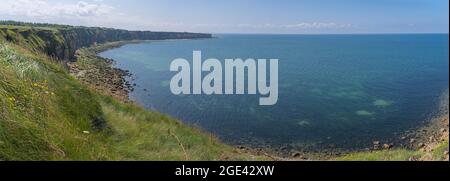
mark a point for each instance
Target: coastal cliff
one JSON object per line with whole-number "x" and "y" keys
{"x": 61, "y": 42}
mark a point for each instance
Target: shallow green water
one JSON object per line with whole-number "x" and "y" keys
{"x": 345, "y": 90}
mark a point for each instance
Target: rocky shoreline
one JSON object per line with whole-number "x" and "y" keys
{"x": 425, "y": 138}
{"x": 99, "y": 73}
{"x": 429, "y": 137}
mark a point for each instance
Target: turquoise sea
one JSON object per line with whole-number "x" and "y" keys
{"x": 339, "y": 90}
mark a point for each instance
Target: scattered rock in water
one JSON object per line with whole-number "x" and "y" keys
{"x": 376, "y": 143}
{"x": 299, "y": 155}
{"x": 387, "y": 146}
{"x": 412, "y": 141}
{"x": 296, "y": 154}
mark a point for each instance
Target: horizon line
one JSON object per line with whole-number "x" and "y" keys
{"x": 382, "y": 33}
{"x": 236, "y": 33}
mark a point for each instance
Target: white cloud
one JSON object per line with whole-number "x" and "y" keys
{"x": 99, "y": 13}
{"x": 44, "y": 10}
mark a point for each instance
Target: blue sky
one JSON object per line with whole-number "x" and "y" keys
{"x": 240, "y": 16}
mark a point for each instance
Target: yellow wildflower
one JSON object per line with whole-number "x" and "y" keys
{"x": 12, "y": 99}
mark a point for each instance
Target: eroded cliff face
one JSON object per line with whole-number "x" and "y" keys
{"x": 62, "y": 43}
{"x": 83, "y": 37}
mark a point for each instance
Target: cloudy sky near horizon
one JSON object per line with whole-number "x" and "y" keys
{"x": 239, "y": 16}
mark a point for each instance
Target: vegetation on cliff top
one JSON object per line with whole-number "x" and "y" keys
{"x": 62, "y": 41}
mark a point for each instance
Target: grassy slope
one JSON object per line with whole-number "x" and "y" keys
{"x": 396, "y": 155}
{"x": 45, "y": 114}
{"x": 27, "y": 36}
{"x": 143, "y": 135}
{"x": 44, "y": 111}
{"x": 384, "y": 155}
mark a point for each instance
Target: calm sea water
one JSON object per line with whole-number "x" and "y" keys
{"x": 345, "y": 90}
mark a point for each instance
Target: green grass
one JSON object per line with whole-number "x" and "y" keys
{"x": 38, "y": 39}
{"x": 384, "y": 155}
{"x": 142, "y": 135}
{"x": 397, "y": 155}
{"x": 438, "y": 152}
{"x": 44, "y": 111}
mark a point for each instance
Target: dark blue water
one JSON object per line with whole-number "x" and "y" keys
{"x": 346, "y": 90}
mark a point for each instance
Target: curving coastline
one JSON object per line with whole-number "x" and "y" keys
{"x": 99, "y": 74}
{"x": 426, "y": 138}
